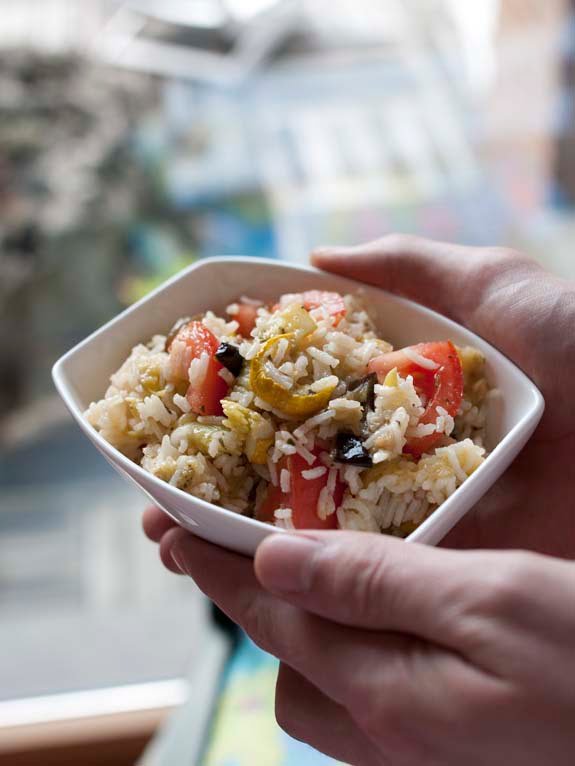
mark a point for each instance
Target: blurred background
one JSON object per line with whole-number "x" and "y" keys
{"x": 138, "y": 136}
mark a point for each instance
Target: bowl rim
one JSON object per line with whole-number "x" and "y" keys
{"x": 528, "y": 420}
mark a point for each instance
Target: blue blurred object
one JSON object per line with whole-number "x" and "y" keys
{"x": 246, "y": 706}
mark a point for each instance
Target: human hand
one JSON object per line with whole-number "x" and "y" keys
{"x": 530, "y": 316}
{"x": 397, "y": 653}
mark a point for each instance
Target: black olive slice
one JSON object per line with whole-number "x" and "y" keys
{"x": 364, "y": 390}
{"x": 349, "y": 449}
{"x": 229, "y": 356}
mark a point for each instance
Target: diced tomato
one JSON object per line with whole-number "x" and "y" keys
{"x": 302, "y": 497}
{"x": 305, "y": 495}
{"x": 273, "y": 500}
{"x": 333, "y": 302}
{"x": 246, "y": 317}
{"x": 314, "y": 299}
{"x": 206, "y": 399}
{"x": 193, "y": 340}
{"x": 441, "y": 387}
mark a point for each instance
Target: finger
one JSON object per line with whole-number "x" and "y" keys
{"x": 337, "y": 659}
{"x": 451, "y": 279}
{"x": 169, "y": 539}
{"x": 306, "y": 714}
{"x": 156, "y": 523}
{"x": 370, "y": 581}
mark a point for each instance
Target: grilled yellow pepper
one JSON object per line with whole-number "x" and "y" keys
{"x": 256, "y": 432}
{"x": 294, "y": 320}
{"x": 295, "y": 403}
{"x": 400, "y": 467}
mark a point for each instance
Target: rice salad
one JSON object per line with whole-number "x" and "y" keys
{"x": 301, "y": 415}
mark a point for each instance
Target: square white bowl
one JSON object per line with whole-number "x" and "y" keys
{"x": 81, "y": 376}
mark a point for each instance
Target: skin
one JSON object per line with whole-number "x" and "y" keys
{"x": 403, "y": 654}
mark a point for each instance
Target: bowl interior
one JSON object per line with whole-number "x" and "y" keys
{"x": 82, "y": 375}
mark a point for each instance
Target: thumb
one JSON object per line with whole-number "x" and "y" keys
{"x": 370, "y": 581}
{"x": 452, "y": 279}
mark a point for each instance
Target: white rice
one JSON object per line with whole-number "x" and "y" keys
{"x": 154, "y": 409}
{"x": 145, "y": 414}
{"x": 273, "y": 471}
{"x": 243, "y": 397}
{"x": 323, "y": 357}
{"x": 182, "y": 403}
{"x": 285, "y": 381}
{"x": 285, "y": 480}
{"x": 331, "y": 480}
{"x": 308, "y": 456}
{"x": 283, "y": 517}
{"x": 219, "y": 327}
{"x": 308, "y": 425}
{"x": 419, "y": 359}
{"x": 250, "y": 349}
{"x": 198, "y": 369}
{"x": 323, "y": 384}
{"x": 280, "y": 350}
{"x": 325, "y": 504}
{"x": 226, "y": 375}
{"x": 314, "y": 473}
{"x": 444, "y": 423}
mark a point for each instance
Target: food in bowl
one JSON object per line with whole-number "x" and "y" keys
{"x": 301, "y": 415}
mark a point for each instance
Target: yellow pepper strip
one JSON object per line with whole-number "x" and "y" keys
{"x": 473, "y": 366}
{"x": 293, "y": 319}
{"x": 400, "y": 467}
{"x": 256, "y": 432}
{"x": 391, "y": 379}
{"x": 293, "y": 403}
{"x": 257, "y": 452}
{"x": 200, "y": 436}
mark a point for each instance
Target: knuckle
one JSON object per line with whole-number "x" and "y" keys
{"x": 381, "y": 698}
{"x": 384, "y": 722}
{"x": 509, "y": 586}
{"x": 366, "y": 586}
{"x": 490, "y": 262}
{"x": 276, "y": 628}
{"x": 505, "y": 254}
{"x": 256, "y": 622}
{"x": 401, "y": 243}
{"x": 510, "y": 580}
{"x": 503, "y": 587}
{"x": 397, "y": 717}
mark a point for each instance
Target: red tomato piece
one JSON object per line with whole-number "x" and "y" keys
{"x": 246, "y": 317}
{"x": 333, "y": 302}
{"x": 193, "y": 340}
{"x": 314, "y": 299}
{"x": 305, "y": 495}
{"x": 442, "y": 387}
{"x": 302, "y": 497}
{"x": 274, "y": 499}
{"x": 206, "y": 399}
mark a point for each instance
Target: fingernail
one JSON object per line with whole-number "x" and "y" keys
{"x": 178, "y": 558}
{"x": 285, "y": 562}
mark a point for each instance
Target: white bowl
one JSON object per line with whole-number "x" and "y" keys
{"x": 82, "y": 375}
